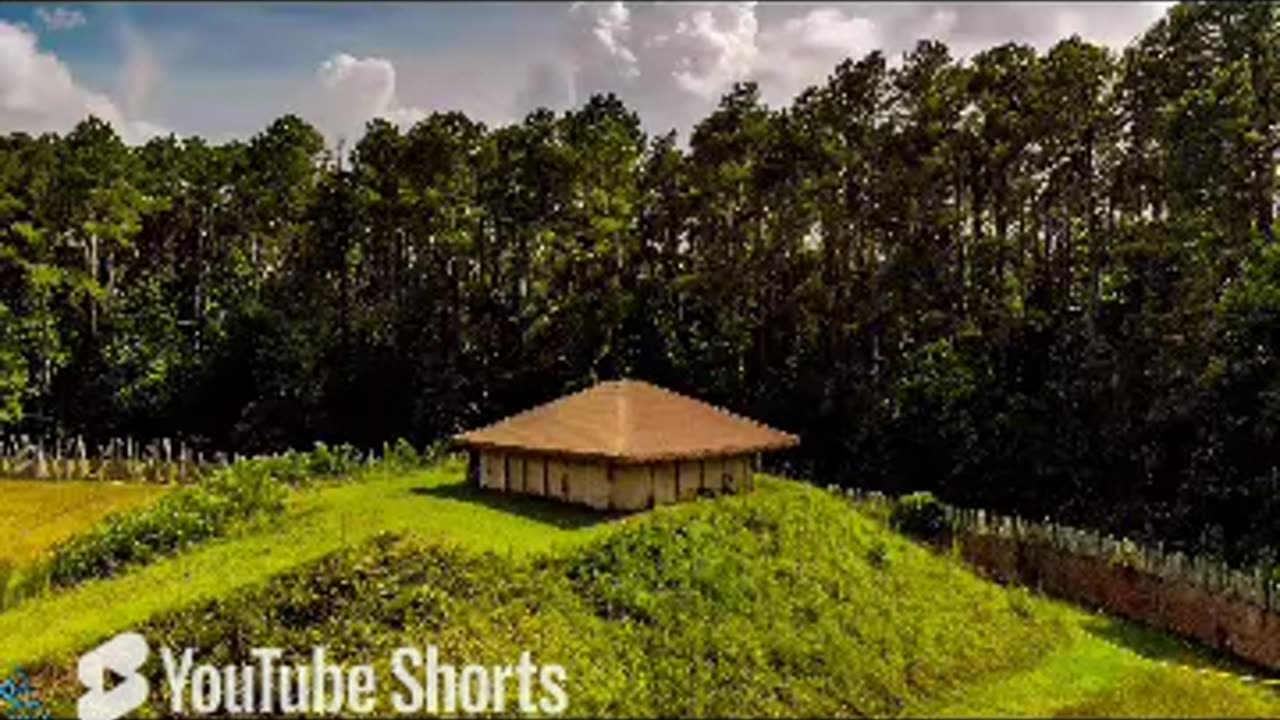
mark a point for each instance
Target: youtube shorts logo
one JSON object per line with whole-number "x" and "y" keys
{"x": 121, "y": 656}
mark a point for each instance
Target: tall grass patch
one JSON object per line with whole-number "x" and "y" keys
{"x": 232, "y": 497}
{"x": 36, "y": 515}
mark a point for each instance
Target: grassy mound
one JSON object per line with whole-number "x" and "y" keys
{"x": 791, "y": 600}
{"x": 784, "y": 602}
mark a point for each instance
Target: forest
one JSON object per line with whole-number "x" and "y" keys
{"x": 1043, "y": 282}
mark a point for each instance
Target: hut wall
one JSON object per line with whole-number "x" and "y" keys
{"x": 736, "y": 470}
{"x": 713, "y": 476}
{"x": 535, "y": 475}
{"x": 473, "y": 468}
{"x": 493, "y": 470}
{"x": 589, "y": 484}
{"x": 688, "y": 479}
{"x": 515, "y": 473}
{"x": 557, "y": 479}
{"x": 664, "y": 483}
{"x": 597, "y": 484}
{"x": 577, "y": 483}
{"x": 606, "y": 486}
{"x": 631, "y": 487}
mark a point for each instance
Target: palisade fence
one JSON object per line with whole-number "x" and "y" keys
{"x": 1236, "y": 610}
{"x": 1259, "y": 585}
{"x": 162, "y": 460}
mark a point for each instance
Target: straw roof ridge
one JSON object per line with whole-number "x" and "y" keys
{"x": 523, "y": 414}
{"x": 628, "y": 420}
{"x": 718, "y": 408}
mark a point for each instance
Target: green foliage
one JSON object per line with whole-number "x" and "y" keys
{"x": 180, "y": 520}
{"x": 247, "y": 490}
{"x": 7, "y": 575}
{"x": 919, "y": 515}
{"x": 936, "y": 378}
{"x": 402, "y": 454}
{"x": 13, "y": 370}
{"x": 323, "y": 461}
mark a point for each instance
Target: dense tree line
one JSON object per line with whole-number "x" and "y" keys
{"x": 1042, "y": 281}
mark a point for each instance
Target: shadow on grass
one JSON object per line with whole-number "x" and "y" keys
{"x": 1147, "y": 642}
{"x": 1157, "y": 645}
{"x": 545, "y": 510}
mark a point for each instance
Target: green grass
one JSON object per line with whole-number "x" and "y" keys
{"x": 787, "y": 601}
{"x": 35, "y": 515}
{"x": 1169, "y": 692}
{"x": 431, "y": 504}
{"x": 1111, "y": 668}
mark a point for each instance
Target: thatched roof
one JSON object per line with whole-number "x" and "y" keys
{"x": 628, "y": 421}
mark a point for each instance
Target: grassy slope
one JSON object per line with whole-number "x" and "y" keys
{"x": 905, "y": 631}
{"x": 787, "y": 601}
{"x": 319, "y": 521}
{"x": 1111, "y": 669}
{"x": 36, "y": 514}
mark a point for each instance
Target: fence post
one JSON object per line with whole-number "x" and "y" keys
{"x": 40, "y": 469}
{"x": 166, "y": 452}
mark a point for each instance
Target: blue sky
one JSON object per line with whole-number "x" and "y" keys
{"x": 225, "y": 70}
{"x": 251, "y": 36}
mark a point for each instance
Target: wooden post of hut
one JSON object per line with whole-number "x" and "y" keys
{"x": 621, "y": 445}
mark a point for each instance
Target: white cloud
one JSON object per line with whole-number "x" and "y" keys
{"x": 974, "y": 27}
{"x": 38, "y": 94}
{"x": 548, "y": 85}
{"x": 669, "y": 61}
{"x": 60, "y": 18}
{"x": 610, "y": 24}
{"x": 349, "y": 91}
{"x": 140, "y": 73}
{"x": 716, "y": 47}
{"x": 672, "y": 61}
{"x": 803, "y": 50}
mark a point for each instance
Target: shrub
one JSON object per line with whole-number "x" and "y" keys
{"x": 249, "y": 489}
{"x": 208, "y": 509}
{"x": 332, "y": 462}
{"x": 7, "y": 575}
{"x": 401, "y": 455}
{"x": 920, "y": 515}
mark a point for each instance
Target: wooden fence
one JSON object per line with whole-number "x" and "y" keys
{"x": 1236, "y": 610}
{"x": 161, "y": 461}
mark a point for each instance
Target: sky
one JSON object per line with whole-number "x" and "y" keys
{"x": 226, "y": 70}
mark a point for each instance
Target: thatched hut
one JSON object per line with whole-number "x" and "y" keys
{"x": 621, "y": 445}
